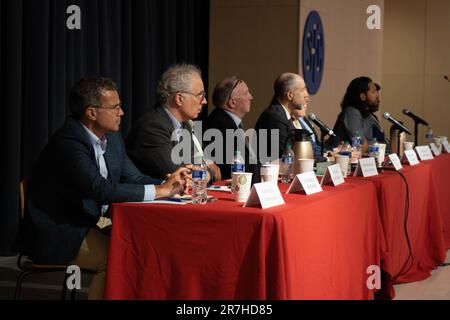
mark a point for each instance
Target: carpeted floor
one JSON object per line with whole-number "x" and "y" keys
{"x": 48, "y": 286}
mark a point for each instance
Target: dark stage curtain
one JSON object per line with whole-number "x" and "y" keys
{"x": 130, "y": 41}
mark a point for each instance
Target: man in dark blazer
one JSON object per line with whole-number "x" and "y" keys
{"x": 290, "y": 93}
{"x": 232, "y": 100}
{"x": 81, "y": 171}
{"x": 154, "y": 136}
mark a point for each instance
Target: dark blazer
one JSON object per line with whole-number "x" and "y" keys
{"x": 66, "y": 192}
{"x": 220, "y": 120}
{"x": 274, "y": 117}
{"x": 149, "y": 143}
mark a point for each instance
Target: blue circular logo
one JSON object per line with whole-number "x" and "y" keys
{"x": 313, "y": 52}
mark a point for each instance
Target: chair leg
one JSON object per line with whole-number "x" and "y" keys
{"x": 73, "y": 294}
{"x": 19, "y": 282}
{"x": 64, "y": 287}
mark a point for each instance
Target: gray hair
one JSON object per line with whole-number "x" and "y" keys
{"x": 284, "y": 83}
{"x": 223, "y": 90}
{"x": 175, "y": 79}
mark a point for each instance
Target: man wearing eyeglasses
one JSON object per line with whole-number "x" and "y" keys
{"x": 232, "y": 100}
{"x": 181, "y": 96}
{"x": 79, "y": 174}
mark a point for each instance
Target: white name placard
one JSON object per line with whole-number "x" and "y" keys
{"x": 267, "y": 194}
{"x": 424, "y": 153}
{"x": 333, "y": 175}
{"x": 395, "y": 161}
{"x": 411, "y": 157}
{"x": 435, "y": 149}
{"x": 366, "y": 167}
{"x": 305, "y": 181}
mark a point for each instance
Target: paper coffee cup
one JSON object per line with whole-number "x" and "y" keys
{"x": 342, "y": 161}
{"x": 305, "y": 165}
{"x": 240, "y": 185}
{"x": 269, "y": 172}
{"x": 408, "y": 145}
{"x": 381, "y": 154}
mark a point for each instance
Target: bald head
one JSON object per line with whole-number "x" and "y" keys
{"x": 286, "y": 82}
{"x": 290, "y": 90}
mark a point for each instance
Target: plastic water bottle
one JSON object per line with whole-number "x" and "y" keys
{"x": 356, "y": 143}
{"x": 287, "y": 165}
{"x": 238, "y": 163}
{"x": 374, "y": 150}
{"x": 429, "y": 135}
{"x": 199, "y": 185}
{"x": 346, "y": 150}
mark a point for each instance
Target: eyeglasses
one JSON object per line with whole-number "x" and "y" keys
{"x": 234, "y": 87}
{"x": 115, "y": 108}
{"x": 200, "y": 96}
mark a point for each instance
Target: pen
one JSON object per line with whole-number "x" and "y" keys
{"x": 174, "y": 200}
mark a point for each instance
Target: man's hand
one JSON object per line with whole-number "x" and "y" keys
{"x": 214, "y": 169}
{"x": 175, "y": 183}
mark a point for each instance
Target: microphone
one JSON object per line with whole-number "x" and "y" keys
{"x": 323, "y": 127}
{"x": 414, "y": 117}
{"x": 388, "y": 117}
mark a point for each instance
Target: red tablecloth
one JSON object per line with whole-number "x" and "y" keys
{"x": 316, "y": 247}
{"x": 441, "y": 175}
{"x": 425, "y": 228}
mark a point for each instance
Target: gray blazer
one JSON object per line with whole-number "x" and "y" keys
{"x": 149, "y": 143}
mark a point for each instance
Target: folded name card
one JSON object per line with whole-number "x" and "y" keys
{"x": 305, "y": 181}
{"x": 333, "y": 175}
{"x": 411, "y": 157}
{"x": 366, "y": 167}
{"x": 395, "y": 161}
{"x": 424, "y": 153}
{"x": 436, "y": 151}
{"x": 266, "y": 194}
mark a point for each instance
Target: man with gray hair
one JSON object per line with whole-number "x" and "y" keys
{"x": 290, "y": 94}
{"x": 232, "y": 99}
{"x": 181, "y": 96}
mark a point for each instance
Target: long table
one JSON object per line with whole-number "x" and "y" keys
{"x": 314, "y": 247}
{"x": 425, "y": 227}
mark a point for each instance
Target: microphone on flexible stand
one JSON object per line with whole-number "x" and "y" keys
{"x": 395, "y": 122}
{"x": 400, "y": 128}
{"x": 417, "y": 120}
{"x": 414, "y": 117}
{"x": 323, "y": 127}
{"x": 324, "y": 130}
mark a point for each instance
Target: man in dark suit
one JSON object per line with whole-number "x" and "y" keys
{"x": 290, "y": 93}
{"x": 82, "y": 170}
{"x": 300, "y": 121}
{"x": 232, "y": 100}
{"x": 153, "y": 140}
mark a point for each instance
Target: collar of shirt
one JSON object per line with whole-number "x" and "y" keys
{"x": 288, "y": 115}
{"x": 176, "y": 124}
{"x": 97, "y": 143}
{"x": 235, "y": 118}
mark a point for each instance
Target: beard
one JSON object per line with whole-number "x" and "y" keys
{"x": 373, "y": 107}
